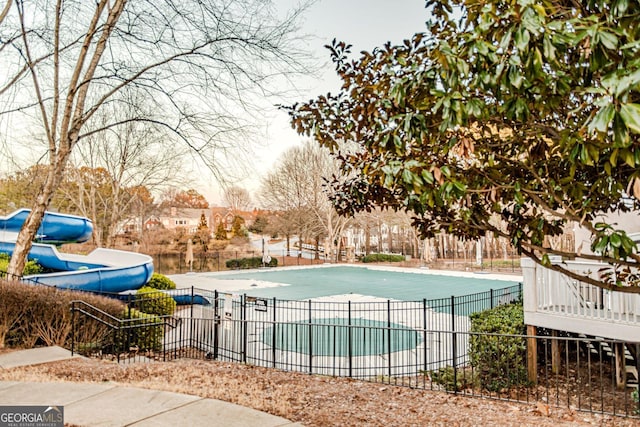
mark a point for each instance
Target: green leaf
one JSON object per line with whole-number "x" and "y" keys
{"x": 613, "y": 158}
{"x": 615, "y": 240}
{"x": 628, "y": 157}
{"x": 460, "y": 187}
{"x": 620, "y": 133}
{"x": 537, "y": 62}
{"x": 585, "y": 158}
{"x": 630, "y": 114}
{"x": 522, "y": 39}
{"x": 600, "y": 226}
{"x": 600, "y": 245}
{"x": 548, "y": 49}
{"x": 620, "y": 7}
{"x": 515, "y": 78}
{"x": 608, "y": 40}
{"x": 427, "y": 176}
{"x": 601, "y": 120}
{"x": 545, "y": 260}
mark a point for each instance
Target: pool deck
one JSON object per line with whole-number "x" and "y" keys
{"x": 433, "y": 324}
{"x": 212, "y": 281}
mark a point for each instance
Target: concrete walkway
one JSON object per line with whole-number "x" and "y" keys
{"x": 88, "y": 404}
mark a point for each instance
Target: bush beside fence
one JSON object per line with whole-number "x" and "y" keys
{"x": 34, "y": 315}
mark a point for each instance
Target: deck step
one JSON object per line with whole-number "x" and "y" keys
{"x": 632, "y": 376}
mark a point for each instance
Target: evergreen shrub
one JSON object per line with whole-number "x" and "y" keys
{"x": 153, "y": 301}
{"x": 252, "y": 262}
{"x": 383, "y": 258}
{"x": 31, "y": 267}
{"x": 499, "y": 361}
{"x": 141, "y": 332}
{"x": 160, "y": 281}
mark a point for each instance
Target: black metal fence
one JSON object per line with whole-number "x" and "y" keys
{"x": 175, "y": 262}
{"x": 424, "y": 344}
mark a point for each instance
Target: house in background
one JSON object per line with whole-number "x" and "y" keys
{"x": 186, "y": 218}
{"x": 221, "y": 215}
{"x": 226, "y": 216}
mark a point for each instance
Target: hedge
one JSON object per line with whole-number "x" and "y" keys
{"x": 34, "y": 315}
{"x": 499, "y": 361}
{"x": 253, "y": 262}
{"x": 383, "y": 258}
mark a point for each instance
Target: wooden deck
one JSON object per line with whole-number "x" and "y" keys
{"x": 554, "y": 301}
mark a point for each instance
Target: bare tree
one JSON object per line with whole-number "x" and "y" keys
{"x": 198, "y": 63}
{"x": 237, "y": 198}
{"x": 296, "y": 187}
{"x": 133, "y": 155}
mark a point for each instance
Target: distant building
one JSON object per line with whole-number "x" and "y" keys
{"x": 189, "y": 219}
{"x": 186, "y": 218}
{"x": 221, "y": 215}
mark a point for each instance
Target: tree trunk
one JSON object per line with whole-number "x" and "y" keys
{"x": 367, "y": 239}
{"x": 29, "y": 229}
{"x": 288, "y": 245}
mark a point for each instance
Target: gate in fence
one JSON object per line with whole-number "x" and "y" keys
{"x": 421, "y": 344}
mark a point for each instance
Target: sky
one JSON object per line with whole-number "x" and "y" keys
{"x": 364, "y": 24}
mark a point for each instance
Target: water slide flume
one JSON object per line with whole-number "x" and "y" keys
{"x": 103, "y": 270}
{"x": 56, "y": 228}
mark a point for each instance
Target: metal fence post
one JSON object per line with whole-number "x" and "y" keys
{"x": 191, "y": 322}
{"x": 424, "y": 333}
{"x": 310, "y": 340}
{"x": 454, "y": 345}
{"x": 349, "y": 348}
{"x": 192, "y": 299}
{"x": 491, "y": 298}
{"x": 389, "y": 337}
{"x": 273, "y": 334}
{"x": 216, "y": 324}
{"x": 243, "y": 325}
{"x": 520, "y": 295}
{"x": 73, "y": 326}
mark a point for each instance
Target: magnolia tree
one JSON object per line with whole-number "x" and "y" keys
{"x": 197, "y": 64}
{"x": 512, "y": 118}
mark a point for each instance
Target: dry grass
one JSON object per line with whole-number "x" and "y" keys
{"x": 312, "y": 400}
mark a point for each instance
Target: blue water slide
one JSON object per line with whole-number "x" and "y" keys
{"x": 103, "y": 270}
{"x": 56, "y": 228}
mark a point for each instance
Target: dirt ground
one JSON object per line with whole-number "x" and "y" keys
{"x": 313, "y": 400}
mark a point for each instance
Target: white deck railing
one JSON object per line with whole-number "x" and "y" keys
{"x": 549, "y": 293}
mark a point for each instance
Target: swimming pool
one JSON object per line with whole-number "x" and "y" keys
{"x": 336, "y": 319}
{"x": 410, "y": 285}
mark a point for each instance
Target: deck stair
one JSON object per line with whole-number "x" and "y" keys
{"x": 602, "y": 348}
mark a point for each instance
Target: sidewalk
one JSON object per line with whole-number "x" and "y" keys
{"x": 88, "y": 404}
